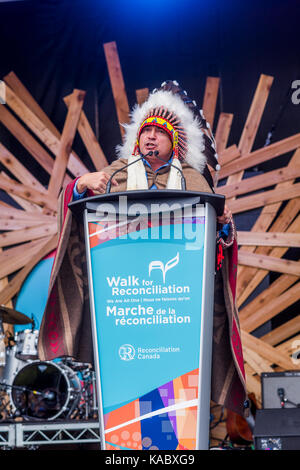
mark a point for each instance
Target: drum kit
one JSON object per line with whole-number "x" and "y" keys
{"x": 34, "y": 390}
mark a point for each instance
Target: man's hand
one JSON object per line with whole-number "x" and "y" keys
{"x": 95, "y": 181}
{"x": 226, "y": 217}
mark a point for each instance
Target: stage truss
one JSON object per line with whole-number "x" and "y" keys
{"x": 60, "y": 433}
{"x": 29, "y": 233}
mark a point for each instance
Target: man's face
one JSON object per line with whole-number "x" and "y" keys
{"x": 154, "y": 138}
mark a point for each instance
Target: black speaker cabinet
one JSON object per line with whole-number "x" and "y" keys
{"x": 277, "y": 429}
{"x": 280, "y": 386}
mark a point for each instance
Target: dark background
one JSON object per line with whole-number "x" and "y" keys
{"x": 54, "y": 46}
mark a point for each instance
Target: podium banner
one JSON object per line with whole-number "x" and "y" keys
{"x": 147, "y": 279}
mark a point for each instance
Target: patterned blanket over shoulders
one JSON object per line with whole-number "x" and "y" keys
{"x": 66, "y": 329}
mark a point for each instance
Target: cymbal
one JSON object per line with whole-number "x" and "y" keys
{"x": 13, "y": 317}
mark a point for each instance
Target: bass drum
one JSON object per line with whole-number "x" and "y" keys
{"x": 44, "y": 390}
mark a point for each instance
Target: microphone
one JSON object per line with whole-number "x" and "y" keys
{"x": 280, "y": 393}
{"x": 183, "y": 182}
{"x": 108, "y": 186}
{"x": 49, "y": 395}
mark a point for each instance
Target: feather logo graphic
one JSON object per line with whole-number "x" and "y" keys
{"x": 164, "y": 267}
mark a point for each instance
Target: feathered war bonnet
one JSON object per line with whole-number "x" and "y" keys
{"x": 170, "y": 108}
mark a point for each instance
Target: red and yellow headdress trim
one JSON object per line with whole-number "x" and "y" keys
{"x": 166, "y": 125}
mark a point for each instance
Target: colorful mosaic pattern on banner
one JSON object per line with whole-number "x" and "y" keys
{"x": 147, "y": 304}
{"x": 165, "y": 418}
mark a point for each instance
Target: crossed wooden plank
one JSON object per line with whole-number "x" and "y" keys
{"x": 261, "y": 250}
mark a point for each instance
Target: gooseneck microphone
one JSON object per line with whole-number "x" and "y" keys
{"x": 108, "y": 186}
{"x": 183, "y": 182}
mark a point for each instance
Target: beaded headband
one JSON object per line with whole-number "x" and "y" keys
{"x": 170, "y": 124}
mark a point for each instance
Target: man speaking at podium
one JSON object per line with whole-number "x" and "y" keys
{"x": 167, "y": 145}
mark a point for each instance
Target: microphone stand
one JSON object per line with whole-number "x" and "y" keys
{"x": 284, "y": 400}
{"x": 149, "y": 154}
{"x": 183, "y": 182}
{"x": 108, "y": 186}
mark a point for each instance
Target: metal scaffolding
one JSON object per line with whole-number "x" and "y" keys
{"x": 33, "y": 435}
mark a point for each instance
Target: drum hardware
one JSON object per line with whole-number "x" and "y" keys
{"x": 87, "y": 406}
{"x": 13, "y": 317}
{"x": 27, "y": 341}
{"x": 75, "y": 365}
{"x": 2, "y": 345}
{"x": 44, "y": 390}
{"x": 2, "y": 349}
{"x": 47, "y": 394}
{"x": 12, "y": 365}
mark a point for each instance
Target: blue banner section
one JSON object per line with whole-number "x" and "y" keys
{"x": 159, "y": 427}
{"x": 148, "y": 297}
{"x": 33, "y": 306}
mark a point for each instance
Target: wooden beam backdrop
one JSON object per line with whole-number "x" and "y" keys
{"x": 28, "y": 233}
